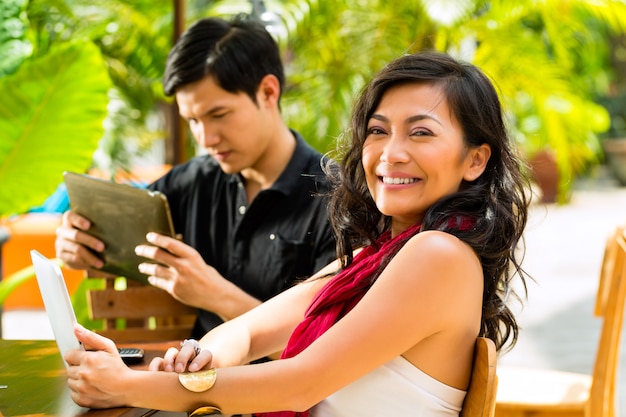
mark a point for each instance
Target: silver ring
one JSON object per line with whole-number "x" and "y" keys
{"x": 194, "y": 342}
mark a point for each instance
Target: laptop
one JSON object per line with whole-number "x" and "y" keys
{"x": 56, "y": 300}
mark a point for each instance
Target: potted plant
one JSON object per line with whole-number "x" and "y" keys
{"x": 615, "y": 153}
{"x": 559, "y": 136}
{"x": 614, "y": 140}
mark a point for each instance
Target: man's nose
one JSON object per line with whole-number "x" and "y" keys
{"x": 206, "y": 136}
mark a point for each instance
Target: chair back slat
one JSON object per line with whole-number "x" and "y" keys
{"x": 612, "y": 296}
{"x": 135, "y": 303}
{"x": 480, "y": 400}
{"x": 138, "y": 313}
{"x": 607, "y": 271}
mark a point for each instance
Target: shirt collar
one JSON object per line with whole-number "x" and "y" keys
{"x": 298, "y": 166}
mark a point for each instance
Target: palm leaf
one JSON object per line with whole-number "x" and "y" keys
{"x": 51, "y": 118}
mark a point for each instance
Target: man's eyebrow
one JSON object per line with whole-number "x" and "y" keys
{"x": 215, "y": 109}
{"x": 209, "y": 112}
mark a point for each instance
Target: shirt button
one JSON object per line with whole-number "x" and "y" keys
{"x": 272, "y": 236}
{"x": 242, "y": 210}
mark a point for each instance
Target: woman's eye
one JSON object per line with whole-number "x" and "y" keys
{"x": 421, "y": 132}
{"x": 375, "y": 131}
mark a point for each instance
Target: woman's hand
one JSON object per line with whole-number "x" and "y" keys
{"x": 97, "y": 378}
{"x": 191, "y": 358}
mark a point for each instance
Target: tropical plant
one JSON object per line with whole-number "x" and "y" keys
{"x": 548, "y": 58}
{"x": 51, "y": 117}
{"x": 65, "y": 65}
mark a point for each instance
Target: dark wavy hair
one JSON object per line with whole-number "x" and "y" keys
{"x": 496, "y": 202}
{"x": 237, "y": 53}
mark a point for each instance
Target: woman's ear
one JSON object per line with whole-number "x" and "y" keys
{"x": 478, "y": 158}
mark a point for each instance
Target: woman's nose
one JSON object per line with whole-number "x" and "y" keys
{"x": 394, "y": 151}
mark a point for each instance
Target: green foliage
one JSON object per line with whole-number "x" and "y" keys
{"x": 549, "y": 59}
{"x": 81, "y": 305}
{"x": 51, "y": 117}
{"x": 134, "y": 39}
{"x": 14, "y": 47}
{"x": 16, "y": 279}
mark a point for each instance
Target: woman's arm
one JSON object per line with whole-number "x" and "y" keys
{"x": 262, "y": 331}
{"x": 425, "y": 305}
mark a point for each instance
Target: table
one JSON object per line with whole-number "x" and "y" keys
{"x": 33, "y": 382}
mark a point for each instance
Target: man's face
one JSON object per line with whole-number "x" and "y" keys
{"x": 231, "y": 127}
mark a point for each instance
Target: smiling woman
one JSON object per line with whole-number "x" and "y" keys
{"x": 429, "y": 206}
{"x": 414, "y": 153}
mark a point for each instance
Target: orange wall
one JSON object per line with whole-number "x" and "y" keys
{"x": 31, "y": 231}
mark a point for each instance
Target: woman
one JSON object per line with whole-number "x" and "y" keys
{"x": 431, "y": 189}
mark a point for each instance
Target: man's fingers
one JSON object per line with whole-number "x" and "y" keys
{"x": 156, "y": 281}
{"x": 71, "y": 234}
{"x": 76, "y": 255}
{"x": 75, "y": 220}
{"x": 156, "y": 254}
{"x": 171, "y": 245}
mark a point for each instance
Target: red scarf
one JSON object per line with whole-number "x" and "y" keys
{"x": 338, "y": 297}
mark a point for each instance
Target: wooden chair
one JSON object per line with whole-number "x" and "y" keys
{"x": 480, "y": 400}
{"x": 138, "y": 313}
{"x": 541, "y": 392}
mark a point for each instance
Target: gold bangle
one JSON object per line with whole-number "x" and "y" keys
{"x": 198, "y": 381}
{"x": 205, "y": 411}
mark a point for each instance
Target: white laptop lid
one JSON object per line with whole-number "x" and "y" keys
{"x": 57, "y": 302}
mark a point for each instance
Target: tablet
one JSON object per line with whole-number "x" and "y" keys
{"x": 56, "y": 301}
{"x": 121, "y": 215}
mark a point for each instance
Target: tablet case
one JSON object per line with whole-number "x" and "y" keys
{"x": 57, "y": 302}
{"x": 121, "y": 215}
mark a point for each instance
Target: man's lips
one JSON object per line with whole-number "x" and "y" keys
{"x": 220, "y": 155}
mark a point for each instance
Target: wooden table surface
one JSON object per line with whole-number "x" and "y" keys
{"x": 33, "y": 382}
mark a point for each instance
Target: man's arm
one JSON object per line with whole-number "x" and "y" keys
{"x": 181, "y": 271}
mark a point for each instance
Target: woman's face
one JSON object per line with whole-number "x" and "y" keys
{"x": 414, "y": 153}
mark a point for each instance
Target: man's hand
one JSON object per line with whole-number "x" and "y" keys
{"x": 186, "y": 276}
{"x": 76, "y": 248}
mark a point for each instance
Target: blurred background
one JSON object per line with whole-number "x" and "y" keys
{"x": 80, "y": 90}
{"x": 80, "y": 80}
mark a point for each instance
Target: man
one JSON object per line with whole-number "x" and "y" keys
{"x": 249, "y": 211}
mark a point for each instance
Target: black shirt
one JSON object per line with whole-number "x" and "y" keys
{"x": 282, "y": 236}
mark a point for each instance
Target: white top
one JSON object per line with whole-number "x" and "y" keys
{"x": 395, "y": 389}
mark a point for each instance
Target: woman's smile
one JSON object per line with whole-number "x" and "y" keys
{"x": 397, "y": 180}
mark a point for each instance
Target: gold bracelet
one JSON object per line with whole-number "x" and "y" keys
{"x": 205, "y": 411}
{"x": 198, "y": 381}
